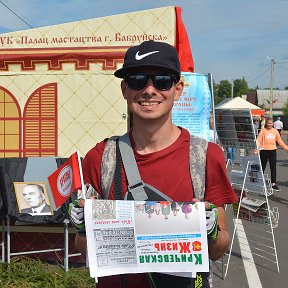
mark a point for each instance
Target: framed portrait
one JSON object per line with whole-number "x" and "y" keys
{"x": 33, "y": 198}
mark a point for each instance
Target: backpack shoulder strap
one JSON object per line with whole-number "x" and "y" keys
{"x": 108, "y": 165}
{"x": 197, "y": 159}
{"x": 135, "y": 183}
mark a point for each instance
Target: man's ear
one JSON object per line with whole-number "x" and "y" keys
{"x": 123, "y": 89}
{"x": 178, "y": 90}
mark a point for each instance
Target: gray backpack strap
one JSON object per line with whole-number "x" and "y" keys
{"x": 108, "y": 165}
{"x": 198, "y": 151}
{"x": 135, "y": 183}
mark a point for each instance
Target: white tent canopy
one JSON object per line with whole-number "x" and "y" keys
{"x": 238, "y": 103}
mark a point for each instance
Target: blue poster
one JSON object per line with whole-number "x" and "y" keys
{"x": 192, "y": 110}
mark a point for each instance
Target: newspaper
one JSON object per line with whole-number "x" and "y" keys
{"x": 254, "y": 181}
{"x": 252, "y": 204}
{"x": 137, "y": 237}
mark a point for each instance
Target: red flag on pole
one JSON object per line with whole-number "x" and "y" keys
{"x": 182, "y": 44}
{"x": 65, "y": 180}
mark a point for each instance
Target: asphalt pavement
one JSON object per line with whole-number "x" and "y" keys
{"x": 257, "y": 269}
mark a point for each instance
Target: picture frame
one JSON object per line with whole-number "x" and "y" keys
{"x": 33, "y": 198}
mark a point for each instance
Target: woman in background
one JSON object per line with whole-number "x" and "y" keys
{"x": 266, "y": 140}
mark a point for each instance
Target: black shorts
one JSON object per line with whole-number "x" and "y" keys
{"x": 164, "y": 281}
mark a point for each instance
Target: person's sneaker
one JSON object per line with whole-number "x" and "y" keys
{"x": 275, "y": 187}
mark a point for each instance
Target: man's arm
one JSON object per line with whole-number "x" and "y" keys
{"x": 219, "y": 246}
{"x": 76, "y": 214}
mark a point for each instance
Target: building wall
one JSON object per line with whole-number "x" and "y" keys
{"x": 281, "y": 97}
{"x": 78, "y": 59}
{"x": 90, "y": 106}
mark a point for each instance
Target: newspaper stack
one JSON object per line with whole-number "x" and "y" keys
{"x": 252, "y": 204}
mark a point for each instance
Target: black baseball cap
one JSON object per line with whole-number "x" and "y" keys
{"x": 150, "y": 54}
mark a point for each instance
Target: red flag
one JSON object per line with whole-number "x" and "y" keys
{"x": 182, "y": 44}
{"x": 65, "y": 180}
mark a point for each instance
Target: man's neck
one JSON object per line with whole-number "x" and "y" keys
{"x": 39, "y": 209}
{"x": 153, "y": 137}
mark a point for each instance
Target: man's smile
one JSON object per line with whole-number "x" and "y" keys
{"x": 149, "y": 103}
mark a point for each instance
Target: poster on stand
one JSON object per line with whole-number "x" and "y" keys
{"x": 137, "y": 237}
{"x": 254, "y": 181}
{"x": 192, "y": 110}
{"x": 235, "y": 128}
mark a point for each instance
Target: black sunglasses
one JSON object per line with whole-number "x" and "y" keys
{"x": 138, "y": 81}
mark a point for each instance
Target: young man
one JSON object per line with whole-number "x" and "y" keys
{"x": 151, "y": 83}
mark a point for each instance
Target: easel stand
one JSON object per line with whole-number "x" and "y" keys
{"x": 258, "y": 224}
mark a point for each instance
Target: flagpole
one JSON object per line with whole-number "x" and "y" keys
{"x": 81, "y": 176}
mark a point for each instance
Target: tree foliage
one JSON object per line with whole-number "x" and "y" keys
{"x": 224, "y": 89}
{"x": 285, "y": 109}
{"x": 240, "y": 87}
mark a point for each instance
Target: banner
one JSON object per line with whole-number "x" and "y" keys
{"x": 65, "y": 180}
{"x": 192, "y": 110}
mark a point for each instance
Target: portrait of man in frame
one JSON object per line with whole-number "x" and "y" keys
{"x": 32, "y": 198}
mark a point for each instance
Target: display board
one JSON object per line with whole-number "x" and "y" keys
{"x": 235, "y": 128}
{"x": 23, "y": 171}
{"x": 192, "y": 110}
{"x": 255, "y": 180}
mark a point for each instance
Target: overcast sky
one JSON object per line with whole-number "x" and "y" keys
{"x": 230, "y": 39}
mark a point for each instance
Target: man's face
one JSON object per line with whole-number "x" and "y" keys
{"x": 149, "y": 102}
{"x": 33, "y": 196}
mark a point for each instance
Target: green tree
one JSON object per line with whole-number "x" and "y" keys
{"x": 240, "y": 87}
{"x": 224, "y": 89}
{"x": 285, "y": 109}
{"x": 286, "y": 88}
{"x": 215, "y": 92}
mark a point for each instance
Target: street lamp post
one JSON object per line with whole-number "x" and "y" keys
{"x": 271, "y": 86}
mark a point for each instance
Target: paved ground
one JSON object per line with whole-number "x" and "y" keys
{"x": 261, "y": 271}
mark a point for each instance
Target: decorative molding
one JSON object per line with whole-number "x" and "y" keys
{"x": 108, "y": 58}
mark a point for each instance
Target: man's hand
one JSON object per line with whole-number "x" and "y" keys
{"x": 221, "y": 239}
{"x": 212, "y": 221}
{"x": 90, "y": 193}
{"x": 76, "y": 215}
{"x": 76, "y": 208}
{"x": 212, "y": 226}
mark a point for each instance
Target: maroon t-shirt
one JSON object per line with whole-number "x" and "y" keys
{"x": 168, "y": 171}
